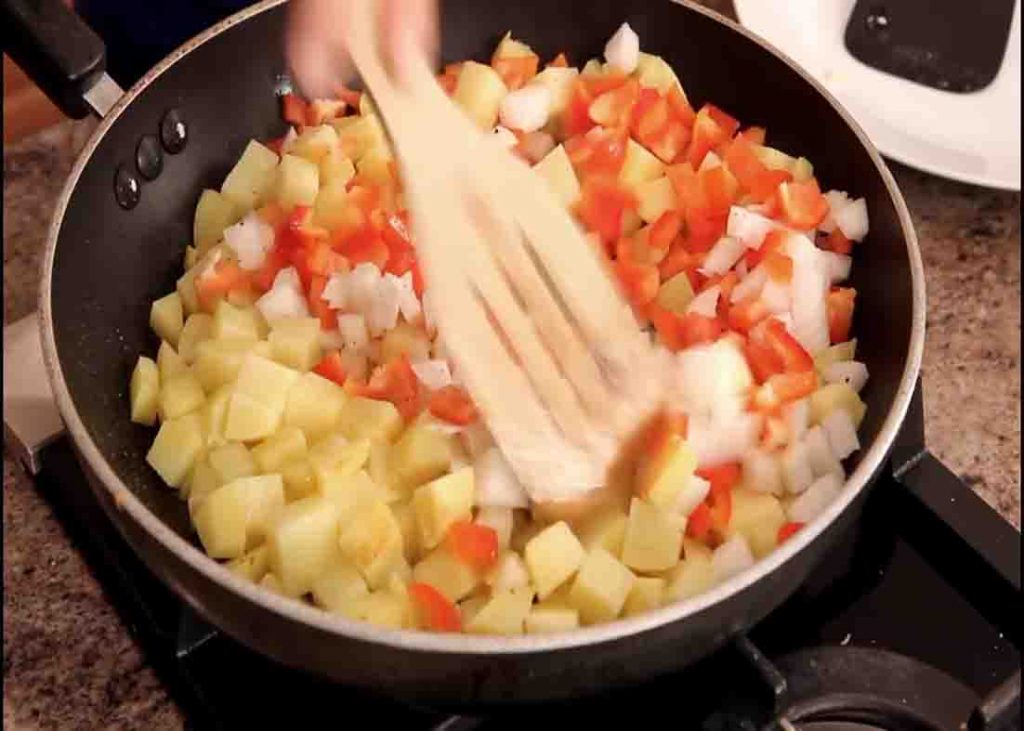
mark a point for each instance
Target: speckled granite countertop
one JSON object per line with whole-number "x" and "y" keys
{"x": 69, "y": 663}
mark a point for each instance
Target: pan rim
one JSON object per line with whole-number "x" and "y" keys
{"x": 185, "y": 551}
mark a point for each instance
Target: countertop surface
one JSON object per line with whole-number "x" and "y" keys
{"x": 70, "y": 663}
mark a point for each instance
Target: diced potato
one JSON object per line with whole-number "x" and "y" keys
{"x": 349, "y": 493}
{"x": 557, "y": 171}
{"x": 450, "y": 576}
{"x": 654, "y": 197}
{"x": 335, "y": 456}
{"x": 232, "y": 461}
{"x": 360, "y": 134}
{"x": 339, "y": 586}
{"x": 315, "y": 405}
{"x": 652, "y": 541}
{"x": 420, "y": 455}
{"x": 441, "y": 502}
{"x": 381, "y": 608}
{"x": 214, "y": 416}
{"x": 186, "y": 289}
{"x": 239, "y": 514}
{"x": 406, "y": 518}
{"x": 169, "y": 362}
{"x": 504, "y": 614}
{"x": 287, "y": 445}
{"x": 252, "y": 565}
{"x": 692, "y": 575}
{"x": 543, "y": 620}
{"x": 676, "y": 293}
{"x": 299, "y": 480}
{"x": 303, "y": 543}
{"x": 662, "y": 478}
{"x": 176, "y": 447}
{"x": 560, "y": 82}
{"x": 167, "y": 317}
{"x": 249, "y": 181}
{"x": 372, "y": 540}
{"x": 523, "y": 531}
{"x": 479, "y": 91}
{"x": 201, "y": 482}
{"x": 259, "y": 399}
{"x": 298, "y": 181}
{"x": 604, "y": 529}
{"x": 838, "y": 353}
{"x": 600, "y": 588}
{"x": 375, "y": 166}
{"x": 500, "y": 520}
{"x": 509, "y": 47}
{"x": 837, "y": 396}
{"x": 198, "y": 327}
{"x": 295, "y": 342}
{"x": 249, "y": 420}
{"x": 404, "y": 339}
{"x": 378, "y": 466}
{"x": 653, "y": 72}
{"x": 235, "y": 323}
{"x": 364, "y": 418}
{"x": 214, "y": 213}
{"x": 802, "y": 170}
{"x": 332, "y": 209}
{"x": 757, "y": 516}
{"x": 470, "y": 607}
{"x": 315, "y": 143}
{"x": 217, "y": 362}
{"x": 191, "y": 257}
{"x": 180, "y": 395}
{"x": 639, "y": 166}
{"x": 553, "y": 556}
{"x": 144, "y": 391}
{"x": 336, "y": 169}
{"x": 774, "y": 159}
{"x": 272, "y": 584}
{"x": 647, "y": 593}
{"x": 592, "y": 69}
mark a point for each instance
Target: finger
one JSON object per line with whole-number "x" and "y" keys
{"x": 314, "y": 46}
{"x": 410, "y": 27}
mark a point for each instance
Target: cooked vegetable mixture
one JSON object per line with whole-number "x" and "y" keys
{"x": 325, "y": 447}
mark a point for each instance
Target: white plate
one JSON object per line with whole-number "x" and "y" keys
{"x": 972, "y": 137}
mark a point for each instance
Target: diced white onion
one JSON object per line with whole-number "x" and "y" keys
{"x": 705, "y": 303}
{"x": 724, "y": 437}
{"x": 819, "y": 453}
{"x": 761, "y": 472}
{"x": 815, "y": 498}
{"x": 798, "y": 417}
{"x": 335, "y": 292}
{"x": 331, "y": 340}
{"x": 748, "y": 226}
{"x": 433, "y": 374}
{"x": 731, "y": 558}
{"x": 750, "y": 285}
{"x": 428, "y": 316}
{"x": 509, "y": 573}
{"x": 496, "y": 483}
{"x": 408, "y": 304}
{"x": 777, "y": 297}
{"x": 526, "y": 109}
{"x": 500, "y": 519}
{"x": 837, "y": 200}
{"x": 250, "y": 239}
{"x": 505, "y": 136}
{"x": 697, "y": 488}
{"x": 712, "y": 377}
{"x": 852, "y": 219}
{"x": 796, "y": 467}
{"x": 839, "y": 266}
{"x": 851, "y": 372}
{"x": 622, "y": 51}
{"x": 382, "y": 314}
{"x": 354, "y": 335}
{"x": 810, "y": 289}
{"x": 726, "y": 252}
{"x": 284, "y": 298}
{"x": 841, "y": 432}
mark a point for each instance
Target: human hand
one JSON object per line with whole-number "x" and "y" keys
{"x": 315, "y": 45}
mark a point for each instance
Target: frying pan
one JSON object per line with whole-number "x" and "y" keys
{"x": 105, "y": 263}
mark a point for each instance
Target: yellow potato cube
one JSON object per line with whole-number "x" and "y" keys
{"x": 261, "y": 383}
{"x": 560, "y": 82}
{"x": 469, "y": 608}
{"x": 420, "y": 455}
{"x": 298, "y": 181}
{"x": 167, "y": 317}
{"x": 557, "y": 172}
{"x": 838, "y": 353}
{"x": 504, "y": 614}
{"x": 381, "y": 608}
{"x": 272, "y": 584}
{"x": 214, "y": 213}
{"x": 235, "y": 323}
{"x": 479, "y": 91}
{"x": 176, "y": 447}
{"x": 299, "y": 480}
{"x": 359, "y": 134}
{"x": 237, "y": 515}
{"x": 406, "y": 518}
{"x": 379, "y": 468}
{"x": 655, "y": 197}
{"x": 692, "y": 575}
{"x": 372, "y": 540}
{"x": 639, "y": 166}
{"x": 332, "y": 209}
{"x": 198, "y": 327}
{"x": 232, "y": 461}
{"x": 774, "y": 159}
{"x": 802, "y": 170}
{"x": 315, "y": 143}
{"x": 249, "y": 181}
{"x": 837, "y": 396}
{"x": 315, "y": 406}
{"x": 676, "y": 293}
{"x": 647, "y": 593}
{"x": 336, "y": 169}
{"x": 169, "y": 362}
{"x": 662, "y": 478}
{"x": 190, "y": 259}
{"x": 652, "y": 541}
{"x": 252, "y": 565}
{"x": 303, "y": 543}
{"x": 375, "y": 166}
{"x": 604, "y": 529}
{"x": 553, "y": 556}
{"x": 601, "y": 587}
{"x": 144, "y": 391}
{"x": 335, "y": 456}
{"x": 214, "y": 416}
{"x": 348, "y": 493}
{"x": 404, "y": 339}
{"x": 180, "y": 395}
{"x": 441, "y": 502}
{"x": 543, "y": 620}
{"x": 287, "y": 445}
{"x": 218, "y": 362}
{"x": 365, "y": 418}
{"x": 338, "y": 586}
{"x": 653, "y": 72}
{"x": 248, "y": 420}
{"x": 757, "y": 516}
{"x": 295, "y": 342}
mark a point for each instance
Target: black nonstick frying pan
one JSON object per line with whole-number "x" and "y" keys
{"x": 124, "y": 218}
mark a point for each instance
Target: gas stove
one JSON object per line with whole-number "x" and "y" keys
{"x": 908, "y": 625}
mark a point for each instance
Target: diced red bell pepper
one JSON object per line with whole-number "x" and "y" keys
{"x": 452, "y": 404}
{"x": 707, "y": 134}
{"x": 599, "y": 152}
{"x": 598, "y": 84}
{"x": 793, "y": 386}
{"x": 754, "y": 176}
{"x": 365, "y": 245}
{"x": 754, "y": 135}
{"x": 665, "y": 230}
{"x": 321, "y": 110}
{"x": 786, "y": 531}
{"x": 699, "y": 523}
{"x": 433, "y": 610}
{"x": 317, "y": 306}
{"x": 639, "y": 280}
{"x": 840, "y": 305}
{"x": 779, "y": 266}
{"x": 396, "y": 382}
{"x": 602, "y": 206}
{"x": 275, "y": 260}
{"x": 837, "y": 242}
{"x": 650, "y": 114}
{"x": 697, "y": 329}
{"x": 680, "y": 259}
{"x": 559, "y": 61}
{"x": 719, "y": 188}
{"x": 665, "y": 425}
{"x": 788, "y": 356}
{"x": 680, "y": 107}
{"x": 225, "y": 277}
{"x": 332, "y": 368}
{"x": 614, "y": 108}
{"x": 669, "y": 144}
{"x": 802, "y": 204}
{"x": 294, "y": 110}
{"x": 746, "y": 314}
{"x": 474, "y": 544}
{"x": 350, "y": 96}
{"x": 515, "y": 71}
{"x": 576, "y": 115}
{"x": 723, "y": 479}
{"x": 726, "y": 122}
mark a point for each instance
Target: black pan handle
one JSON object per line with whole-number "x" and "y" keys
{"x": 58, "y": 51}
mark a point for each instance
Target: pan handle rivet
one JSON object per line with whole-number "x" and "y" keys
{"x": 127, "y": 189}
{"x": 149, "y": 158}
{"x": 173, "y": 132}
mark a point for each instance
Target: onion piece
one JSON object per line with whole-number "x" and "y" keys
{"x": 354, "y": 335}
{"x": 819, "y": 453}
{"x": 496, "y": 483}
{"x": 751, "y": 285}
{"x": 622, "y": 51}
{"x": 692, "y": 495}
{"x": 748, "y": 226}
{"x": 815, "y": 498}
{"x": 839, "y": 266}
{"x": 331, "y": 340}
{"x": 408, "y": 304}
{"x": 731, "y": 558}
{"x": 712, "y": 378}
{"x": 285, "y": 297}
{"x": 382, "y": 314}
{"x": 809, "y": 289}
{"x": 705, "y": 303}
{"x": 505, "y": 136}
{"x": 500, "y": 520}
{"x": 526, "y": 109}
{"x": 509, "y": 573}
{"x": 841, "y": 432}
{"x": 851, "y": 372}
{"x": 723, "y": 255}
{"x": 837, "y": 200}
{"x": 795, "y": 463}
{"x": 250, "y": 239}
{"x": 761, "y": 472}
{"x": 433, "y": 374}
{"x": 724, "y": 437}
{"x": 777, "y": 297}
{"x": 852, "y": 219}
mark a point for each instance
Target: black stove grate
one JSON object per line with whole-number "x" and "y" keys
{"x": 910, "y": 623}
